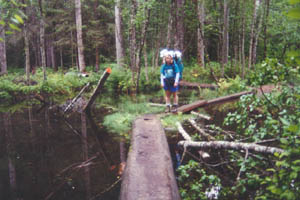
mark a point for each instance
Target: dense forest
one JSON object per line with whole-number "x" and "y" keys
{"x": 235, "y": 45}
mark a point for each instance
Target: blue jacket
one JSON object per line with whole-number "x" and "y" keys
{"x": 169, "y": 72}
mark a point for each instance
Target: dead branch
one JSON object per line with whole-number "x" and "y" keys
{"x": 201, "y": 131}
{"x": 232, "y": 145}
{"x": 76, "y": 98}
{"x": 201, "y": 115}
{"x": 184, "y": 134}
{"x": 97, "y": 89}
{"x": 187, "y": 137}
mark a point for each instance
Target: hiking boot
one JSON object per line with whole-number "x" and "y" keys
{"x": 174, "y": 108}
{"x": 168, "y": 109}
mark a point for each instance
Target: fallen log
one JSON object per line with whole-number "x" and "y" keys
{"x": 192, "y": 106}
{"x": 228, "y": 98}
{"x": 203, "y": 103}
{"x": 232, "y": 145}
{"x": 97, "y": 89}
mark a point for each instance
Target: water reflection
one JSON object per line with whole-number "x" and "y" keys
{"x": 44, "y": 156}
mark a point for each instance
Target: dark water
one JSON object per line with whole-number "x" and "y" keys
{"x": 43, "y": 156}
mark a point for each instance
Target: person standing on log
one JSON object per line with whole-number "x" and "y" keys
{"x": 169, "y": 79}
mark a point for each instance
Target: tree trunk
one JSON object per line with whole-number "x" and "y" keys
{"x": 97, "y": 59}
{"x": 179, "y": 37}
{"x": 118, "y": 34}
{"x": 52, "y": 53}
{"x": 27, "y": 53}
{"x": 3, "y": 62}
{"x": 61, "y": 57}
{"x": 146, "y": 62}
{"x": 200, "y": 32}
{"x": 132, "y": 42}
{"x": 141, "y": 44}
{"x": 78, "y": 16}
{"x": 252, "y": 35}
{"x": 225, "y": 36}
{"x": 42, "y": 39}
{"x": 170, "y": 32}
{"x": 257, "y": 32}
{"x": 242, "y": 52}
{"x": 267, "y": 9}
{"x": 72, "y": 49}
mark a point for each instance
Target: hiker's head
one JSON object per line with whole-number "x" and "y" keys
{"x": 169, "y": 59}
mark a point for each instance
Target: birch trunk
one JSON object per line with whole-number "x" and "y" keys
{"x": 118, "y": 34}
{"x": 3, "y": 61}
{"x": 232, "y": 145}
{"x": 200, "y": 32}
{"x": 80, "y": 46}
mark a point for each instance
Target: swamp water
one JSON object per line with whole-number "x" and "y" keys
{"x": 45, "y": 156}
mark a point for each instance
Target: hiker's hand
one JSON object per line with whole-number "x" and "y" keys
{"x": 175, "y": 84}
{"x": 161, "y": 85}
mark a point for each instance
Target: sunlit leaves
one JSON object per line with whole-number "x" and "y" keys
{"x": 19, "y": 19}
{"x": 294, "y": 13}
{"x": 14, "y": 27}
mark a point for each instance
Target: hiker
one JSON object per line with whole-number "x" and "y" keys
{"x": 169, "y": 79}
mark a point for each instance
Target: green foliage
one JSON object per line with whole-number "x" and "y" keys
{"x": 270, "y": 71}
{"x": 121, "y": 121}
{"x": 170, "y": 120}
{"x": 194, "y": 181}
{"x": 231, "y": 85}
{"x": 275, "y": 117}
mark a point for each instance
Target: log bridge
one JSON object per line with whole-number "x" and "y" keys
{"x": 149, "y": 171}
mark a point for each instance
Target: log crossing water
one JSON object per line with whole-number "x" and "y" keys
{"x": 149, "y": 171}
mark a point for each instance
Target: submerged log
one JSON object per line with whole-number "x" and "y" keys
{"x": 97, "y": 89}
{"x": 232, "y": 145}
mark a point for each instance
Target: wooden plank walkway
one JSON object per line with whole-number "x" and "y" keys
{"x": 149, "y": 171}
